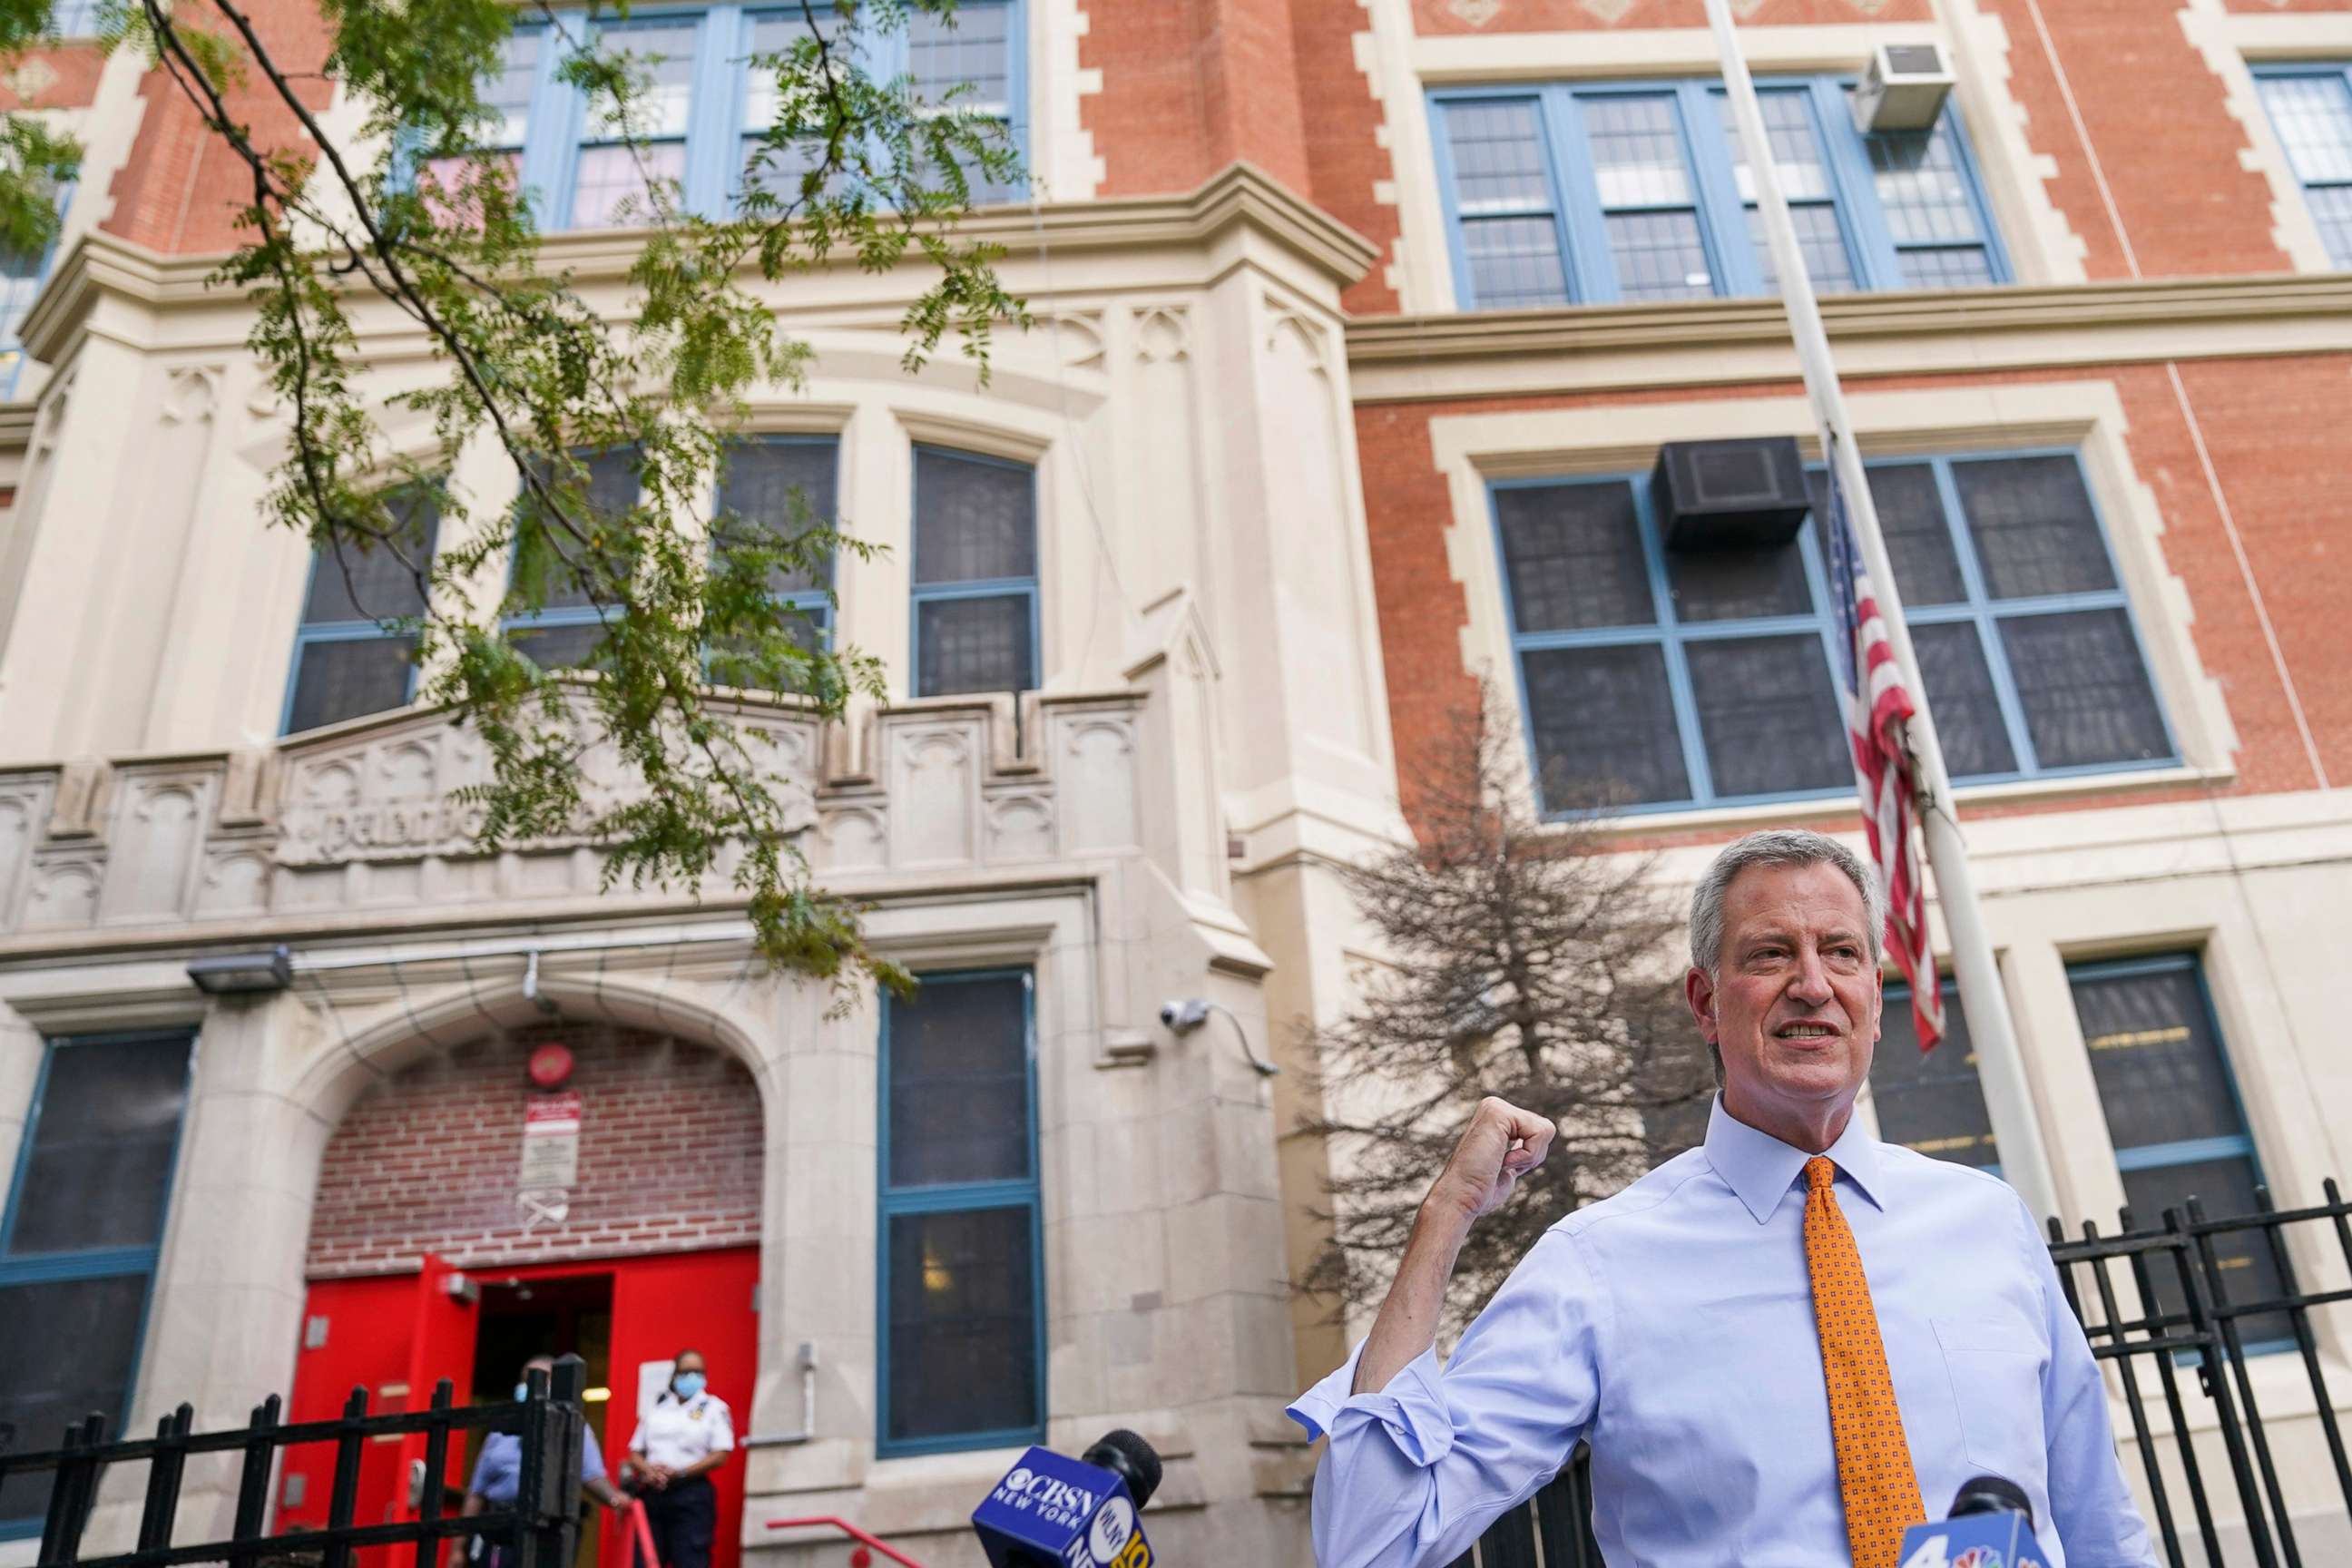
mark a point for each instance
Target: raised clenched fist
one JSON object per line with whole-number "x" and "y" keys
{"x": 1501, "y": 1144}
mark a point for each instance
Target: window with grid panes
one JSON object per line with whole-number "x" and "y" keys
{"x": 1930, "y": 1101}
{"x": 975, "y": 574}
{"x": 351, "y": 657}
{"x": 1653, "y": 678}
{"x": 1641, "y": 191}
{"x": 783, "y": 487}
{"x": 2174, "y": 1116}
{"x": 79, "y": 1236}
{"x": 564, "y": 632}
{"x": 74, "y": 20}
{"x": 703, "y": 102}
{"x": 961, "y": 1272}
{"x": 2311, "y": 110}
{"x": 508, "y": 94}
{"x": 614, "y": 183}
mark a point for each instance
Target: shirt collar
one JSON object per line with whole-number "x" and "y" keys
{"x": 1762, "y": 1169}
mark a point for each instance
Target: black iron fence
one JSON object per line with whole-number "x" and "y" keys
{"x": 538, "y": 1531}
{"x": 2183, "y": 1311}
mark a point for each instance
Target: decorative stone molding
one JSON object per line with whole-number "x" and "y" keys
{"x": 364, "y": 816}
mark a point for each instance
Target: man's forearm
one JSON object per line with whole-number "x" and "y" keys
{"x": 1407, "y": 1324}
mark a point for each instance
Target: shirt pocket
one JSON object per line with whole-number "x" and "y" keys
{"x": 1996, "y": 1366}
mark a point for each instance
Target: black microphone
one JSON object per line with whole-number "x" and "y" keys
{"x": 1991, "y": 1494}
{"x": 1130, "y": 1459}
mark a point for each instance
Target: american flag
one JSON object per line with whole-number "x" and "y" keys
{"x": 1877, "y": 702}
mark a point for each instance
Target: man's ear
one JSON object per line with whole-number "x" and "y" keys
{"x": 1698, "y": 990}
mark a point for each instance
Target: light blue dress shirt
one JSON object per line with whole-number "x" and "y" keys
{"x": 1672, "y": 1326}
{"x": 497, "y": 1472}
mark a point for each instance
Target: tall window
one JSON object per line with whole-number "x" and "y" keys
{"x": 563, "y": 633}
{"x": 783, "y": 485}
{"x": 1931, "y": 1102}
{"x": 78, "y": 1239}
{"x": 2173, "y": 1113}
{"x": 613, "y": 180}
{"x": 350, "y": 660}
{"x": 975, "y": 574}
{"x": 2311, "y": 110}
{"x": 704, "y": 103}
{"x": 74, "y": 20}
{"x": 970, "y": 63}
{"x": 1559, "y": 195}
{"x": 961, "y": 1297}
{"x": 1654, "y": 678}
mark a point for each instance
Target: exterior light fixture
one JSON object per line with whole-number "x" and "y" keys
{"x": 243, "y": 973}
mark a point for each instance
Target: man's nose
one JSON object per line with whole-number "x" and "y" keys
{"x": 1810, "y": 984}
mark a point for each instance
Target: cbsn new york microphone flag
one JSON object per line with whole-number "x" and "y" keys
{"x": 1877, "y": 703}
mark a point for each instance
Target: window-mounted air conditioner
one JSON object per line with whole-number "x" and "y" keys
{"x": 1903, "y": 89}
{"x": 1730, "y": 495}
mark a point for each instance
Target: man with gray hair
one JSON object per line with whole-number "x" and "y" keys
{"x": 1781, "y": 1345}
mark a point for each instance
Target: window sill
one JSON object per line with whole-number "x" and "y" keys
{"x": 1778, "y": 814}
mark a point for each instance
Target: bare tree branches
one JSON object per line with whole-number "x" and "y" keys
{"x": 1526, "y": 960}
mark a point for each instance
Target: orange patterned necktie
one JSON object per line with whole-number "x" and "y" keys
{"x": 1876, "y": 1481}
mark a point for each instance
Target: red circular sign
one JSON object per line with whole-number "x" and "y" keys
{"x": 550, "y": 1065}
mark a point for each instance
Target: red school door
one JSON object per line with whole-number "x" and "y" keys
{"x": 395, "y": 1337}
{"x": 689, "y": 1301}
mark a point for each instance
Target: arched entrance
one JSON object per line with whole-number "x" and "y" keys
{"x": 468, "y": 1216}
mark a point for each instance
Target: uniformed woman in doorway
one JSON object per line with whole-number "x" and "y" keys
{"x": 684, "y": 1436}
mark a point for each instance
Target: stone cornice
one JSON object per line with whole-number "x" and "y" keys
{"x": 1240, "y": 197}
{"x": 2005, "y": 328}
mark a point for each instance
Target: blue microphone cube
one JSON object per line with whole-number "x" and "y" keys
{"x": 1976, "y": 1541}
{"x": 1051, "y": 1509}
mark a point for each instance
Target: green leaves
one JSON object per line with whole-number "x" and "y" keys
{"x": 693, "y": 650}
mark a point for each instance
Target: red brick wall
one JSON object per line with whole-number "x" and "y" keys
{"x": 427, "y": 1161}
{"x": 2167, "y": 144}
{"x": 178, "y": 190}
{"x": 1590, "y": 15}
{"x": 2274, "y": 427}
{"x": 1189, "y": 87}
{"x": 72, "y": 70}
{"x": 1345, "y": 160}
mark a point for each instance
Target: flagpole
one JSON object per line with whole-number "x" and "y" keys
{"x": 2000, "y": 1067}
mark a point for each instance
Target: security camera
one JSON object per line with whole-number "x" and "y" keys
{"x": 1183, "y": 1017}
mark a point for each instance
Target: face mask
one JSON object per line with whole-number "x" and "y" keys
{"x": 522, "y": 1391}
{"x": 688, "y": 1384}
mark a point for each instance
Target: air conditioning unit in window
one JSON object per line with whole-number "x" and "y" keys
{"x": 1730, "y": 495}
{"x": 1903, "y": 88}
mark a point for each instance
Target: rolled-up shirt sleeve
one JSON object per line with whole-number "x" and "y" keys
{"x": 1416, "y": 1469}
{"x": 2090, "y": 1501}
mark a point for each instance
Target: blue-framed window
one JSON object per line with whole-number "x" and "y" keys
{"x": 350, "y": 658}
{"x": 564, "y": 631}
{"x": 706, "y": 102}
{"x": 975, "y": 578}
{"x": 74, "y": 20}
{"x": 79, "y": 1236}
{"x": 1559, "y": 195}
{"x": 1932, "y": 1102}
{"x": 784, "y": 485}
{"x": 2311, "y": 110}
{"x": 22, "y": 275}
{"x": 1652, "y": 679}
{"x": 2174, "y": 1116}
{"x": 961, "y": 1293}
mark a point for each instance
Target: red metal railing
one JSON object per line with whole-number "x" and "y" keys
{"x": 828, "y": 1521}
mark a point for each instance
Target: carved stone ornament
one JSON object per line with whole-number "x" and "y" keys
{"x": 29, "y": 80}
{"x": 1476, "y": 12}
{"x": 399, "y": 795}
{"x": 1609, "y": 13}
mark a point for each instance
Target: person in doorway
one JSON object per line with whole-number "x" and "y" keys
{"x": 497, "y": 1471}
{"x": 687, "y": 1434}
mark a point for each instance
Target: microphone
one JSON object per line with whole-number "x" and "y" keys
{"x": 1050, "y": 1511}
{"x": 1991, "y": 1526}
